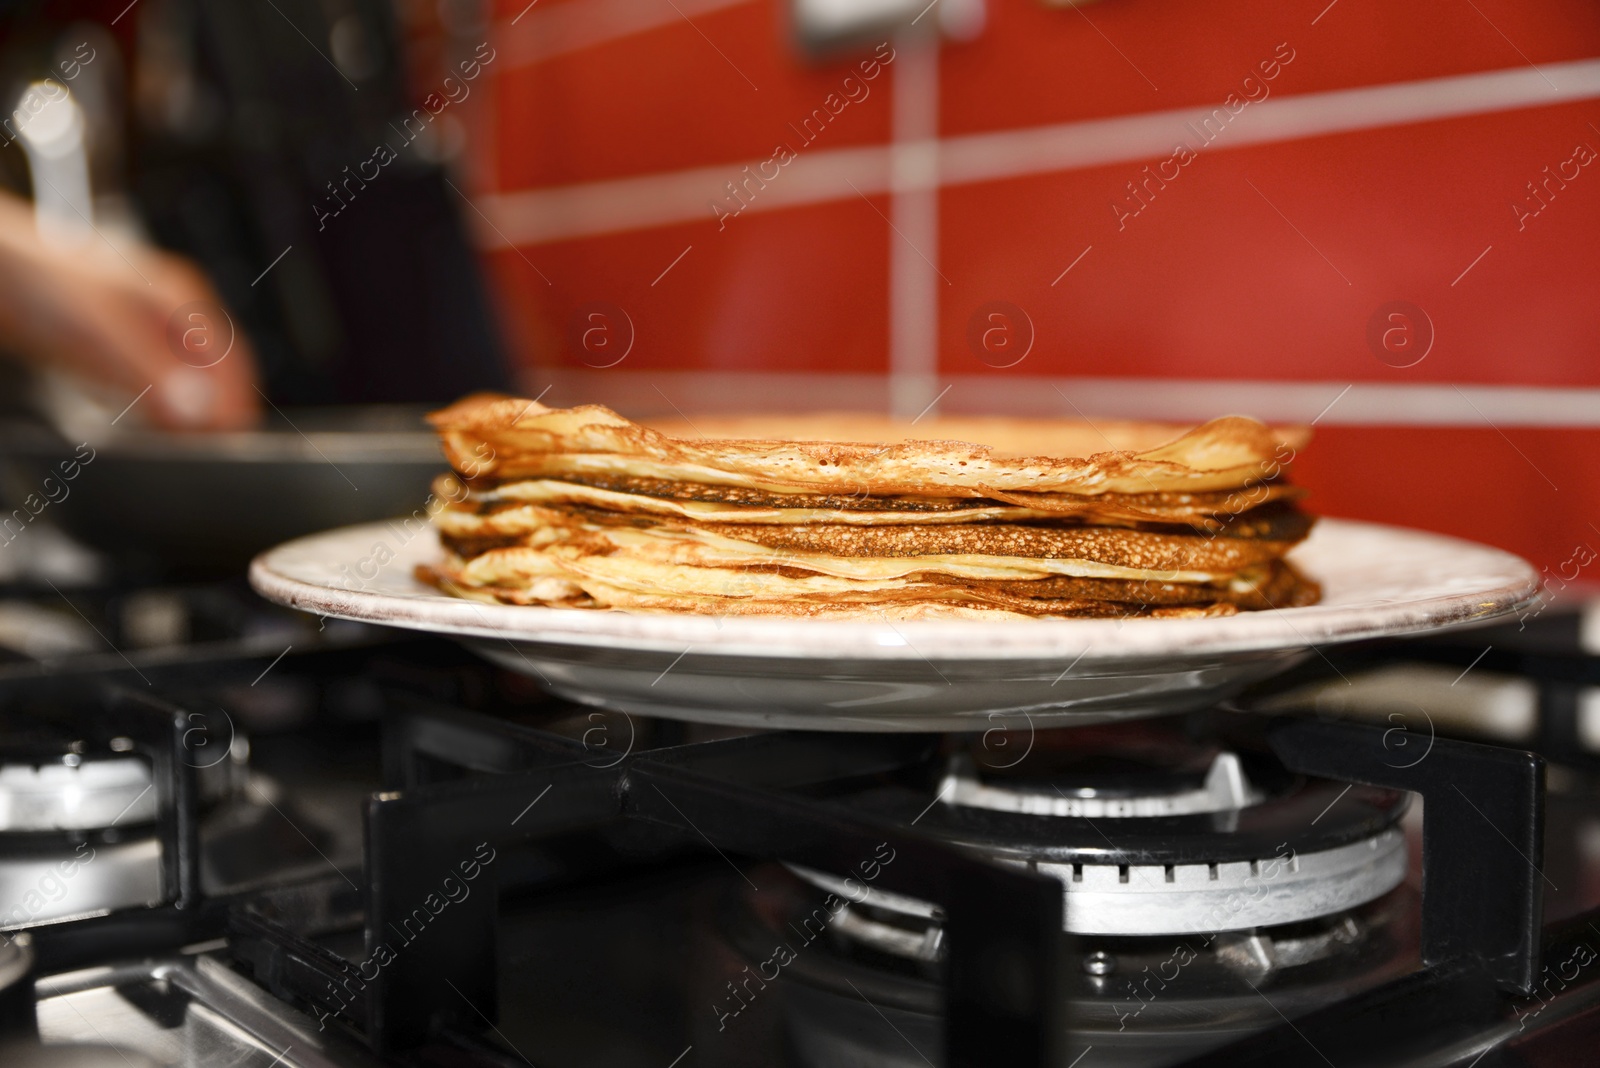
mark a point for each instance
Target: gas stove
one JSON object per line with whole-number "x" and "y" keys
{"x": 274, "y": 840}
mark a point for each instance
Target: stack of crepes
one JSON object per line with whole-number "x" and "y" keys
{"x": 856, "y": 516}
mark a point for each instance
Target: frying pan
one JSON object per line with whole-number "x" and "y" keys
{"x": 201, "y": 505}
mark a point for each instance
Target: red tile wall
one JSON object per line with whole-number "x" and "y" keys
{"x": 1211, "y": 281}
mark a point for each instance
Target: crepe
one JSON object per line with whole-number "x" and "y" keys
{"x": 505, "y": 438}
{"x": 729, "y": 504}
{"x": 582, "y": 508}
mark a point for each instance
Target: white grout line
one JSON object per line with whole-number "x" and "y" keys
{"x": 914, "y": 273}
{"x": 1374, "y": 403}
{"x": 1331, "y": 403}
{"x": 558, "y": 213}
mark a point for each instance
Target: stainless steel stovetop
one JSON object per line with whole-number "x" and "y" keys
{"x": 355, "y": 848}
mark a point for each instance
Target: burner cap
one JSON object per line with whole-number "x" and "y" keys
{"x": 1148, "y": 836}
{"x": 1224, "y": 789}
{"x": 74, "y": 793}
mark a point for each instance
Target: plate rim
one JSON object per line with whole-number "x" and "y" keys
{"x": 1099, "y": 640}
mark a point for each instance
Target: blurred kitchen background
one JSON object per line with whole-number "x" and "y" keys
{"x": 1370, "y": 216}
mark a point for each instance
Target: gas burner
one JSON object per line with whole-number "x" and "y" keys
{"x": 77, "y": 829}
{"x": 79, "y": 814}
{"x": 112, "y": 800}
{"x": 1191, "y": 872}
{"x": 75, "y": 794}
{"x": 62, "y": 772}
{"x": 1175, "y": 899}
{"x": 1224, "y": 789}
{"x": 1136, "y": 1000}
{"x": 1151, "y": 833}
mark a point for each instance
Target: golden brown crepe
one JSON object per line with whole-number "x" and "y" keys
{"x": 582, "y": 508}
{"x": 524, "y": 439}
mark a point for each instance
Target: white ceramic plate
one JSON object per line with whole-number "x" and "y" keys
{"x": 929, "y": 676}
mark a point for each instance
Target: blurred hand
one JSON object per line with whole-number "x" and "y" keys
{"x": 107, "y": 316}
